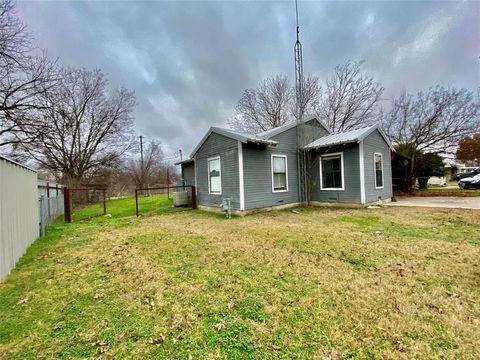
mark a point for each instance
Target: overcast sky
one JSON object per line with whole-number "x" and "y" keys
{"x": 188, "y": 62}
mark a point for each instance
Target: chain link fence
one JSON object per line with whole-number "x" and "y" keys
{"x": 50, "y": 203}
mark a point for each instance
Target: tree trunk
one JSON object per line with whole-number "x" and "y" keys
{"x": 411, "y": 175}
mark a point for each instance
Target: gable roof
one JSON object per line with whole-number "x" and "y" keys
{"x": 347, "y": 137}
{"x": 290, "y": 125}
{"x": 235, "y": 135}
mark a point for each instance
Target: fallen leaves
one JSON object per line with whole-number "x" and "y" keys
{"x": 158, "y": 340}
{"x": 231, "y": 305}
{"x": 102, "y": 346}
{"x": 332, "y": 355}
{"x": 149, "y": 302}
{"x": 22, "y": 301}
{"x": 219, "y": 326}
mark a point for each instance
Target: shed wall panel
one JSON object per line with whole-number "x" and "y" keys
{"x": 19, "y": 222}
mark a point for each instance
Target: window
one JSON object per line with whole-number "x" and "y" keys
{"x": 378, "y": 158}
{"x": 214, "y": 176}
{"x": 331, "y": 172}
{"x": 279, "y": 173}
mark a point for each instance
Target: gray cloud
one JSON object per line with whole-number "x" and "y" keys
{"x": 188, "y": 62}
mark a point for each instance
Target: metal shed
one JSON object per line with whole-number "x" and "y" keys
{"x": 18, "y": 212}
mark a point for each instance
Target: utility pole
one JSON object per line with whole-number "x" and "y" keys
{"x": 168, "y": 183}
{"x": 141, "y": 163}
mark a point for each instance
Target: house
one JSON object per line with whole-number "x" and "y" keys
{"x": 257, "y": 171}
{"x": 452, "y": 168}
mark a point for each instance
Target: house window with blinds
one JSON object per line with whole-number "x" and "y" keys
{"x": 214, "y": 176}
{"x": 279, "y": 173}
{"x": 378, "y": 170}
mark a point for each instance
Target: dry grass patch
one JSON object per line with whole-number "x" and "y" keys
{"x": 389, "y": 283}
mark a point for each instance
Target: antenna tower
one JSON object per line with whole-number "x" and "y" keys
{"x": 301, "y": 159}
{"x": 298, "y": 69}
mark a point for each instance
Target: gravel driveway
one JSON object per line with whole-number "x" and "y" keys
{"x": 438, "y": 202}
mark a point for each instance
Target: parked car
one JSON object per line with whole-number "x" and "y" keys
{"x": 467, "y": 174}
{"x": 470, "y": 182}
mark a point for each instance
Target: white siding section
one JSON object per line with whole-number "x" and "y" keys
{"x": 18, "y": 213}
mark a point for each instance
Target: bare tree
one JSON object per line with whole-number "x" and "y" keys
{"x": 432, "y": 121}
{"x": 311, "y": 96}
{"x": 82, "y": 127}
{"x": 273, "y": 104}
{"x": 350, "y": 99}
{"x": 24, "y": 77}
{"x": 265, "y": 107}
{"x": 152, "y": 165}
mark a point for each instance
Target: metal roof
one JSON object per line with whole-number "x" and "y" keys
{"x": 347, "y": 137}
{"x": 278, "y": 130}
{"x": 186, "y": 161}
{"x": 17, "y": 163}
{"x": 236, "y": 135}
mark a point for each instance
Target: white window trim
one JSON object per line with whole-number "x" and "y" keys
{"x": 286, "y": 172}
{"x": 375, "y": 170}
{"x": 208, "y": 175}
{"x": 343, "y": 171}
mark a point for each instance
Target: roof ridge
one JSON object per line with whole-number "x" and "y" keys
{"x": 291, "y": 124}
{"x": 356, "y": 129}
{"x": 243, "y": 137}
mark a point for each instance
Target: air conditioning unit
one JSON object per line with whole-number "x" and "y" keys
{"x": 180, "y": 198}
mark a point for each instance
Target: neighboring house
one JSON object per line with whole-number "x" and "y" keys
{"x": 452, "y": 168}
{"x": 261, "y": 171}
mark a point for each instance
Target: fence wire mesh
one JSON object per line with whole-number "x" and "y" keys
{"x": 86, "y": 203}
{"x": 157, "y": 200}
{"x": 50, "y": 204}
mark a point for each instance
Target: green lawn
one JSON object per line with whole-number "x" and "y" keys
{"x": 147, "y": 205}
{"x": 326, "y": 283}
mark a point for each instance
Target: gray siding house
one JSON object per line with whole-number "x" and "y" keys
{"x": 257, "y": 171}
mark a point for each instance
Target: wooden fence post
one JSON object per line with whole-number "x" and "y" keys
{"x": 194, "y": 197}
{"x": 67, "y": 205}
{"x": 136, "y": 201}
{"x": 104, "y": 201}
